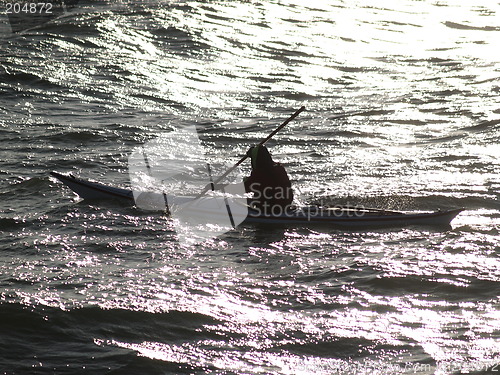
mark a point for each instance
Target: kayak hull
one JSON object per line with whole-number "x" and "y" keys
{"x": 317, "y": 215}
{"x": 350, "y": 220}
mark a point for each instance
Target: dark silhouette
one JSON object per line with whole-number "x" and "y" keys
{"x": 268, "y": 181}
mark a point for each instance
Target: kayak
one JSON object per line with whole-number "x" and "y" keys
{"x": 341, "y": 217}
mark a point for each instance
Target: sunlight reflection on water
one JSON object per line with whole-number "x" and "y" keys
{"x": 422, "y": 78}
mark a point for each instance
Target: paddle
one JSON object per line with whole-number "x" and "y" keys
{"x": 207, "y": 188}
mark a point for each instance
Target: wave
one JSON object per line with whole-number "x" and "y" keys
{"x": 25, "y": 78}
{"x": 72, "y": 27}
{"x": 32, "y": 184}
{"x": 7, "y": 224}
{"x": 462, "y": 26}
{"x": 488, "y": 125}
{"x": 172, "y": 32}
{"x": 343, "y": 347}
{"x": 75, "y": 136}
{"x": 454, "y": 287}
{"x": 68, "y": 340}
{"x": 182, "y": 41}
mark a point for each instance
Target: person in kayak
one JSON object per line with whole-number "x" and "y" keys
{"x": 268, "y": 181}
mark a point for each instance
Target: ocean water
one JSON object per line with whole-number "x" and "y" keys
{"x": 403, "y": 112}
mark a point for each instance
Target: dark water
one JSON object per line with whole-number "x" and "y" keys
{"x": 94, "y": 287}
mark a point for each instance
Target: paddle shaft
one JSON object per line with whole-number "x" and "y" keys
{"x": 260, "y": 144}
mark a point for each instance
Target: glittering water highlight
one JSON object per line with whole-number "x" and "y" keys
{"x": 403, "y": 113}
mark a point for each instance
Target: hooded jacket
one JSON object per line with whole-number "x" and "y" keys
{"x": 268, "y": 181}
